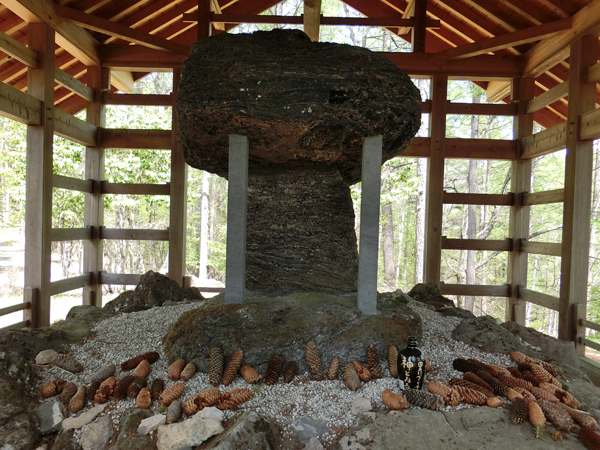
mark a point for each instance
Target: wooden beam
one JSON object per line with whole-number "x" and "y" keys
{"x": 71, "y": 234}
{"x": 435, "y": 181}
{"x": 500, "y": 245}
{"x": 74, "y": 129}
{"x": 594, "y": 73}
{"x": 545, "y": 142}
{"x": 482, "y": 109}
{"x": 73, "y": 84}
{"x": 75, "y": 40}
{"x": 548, "y": 97}
{"x": 578, "y": 180}
{"x": 497, "y": 90}
{"x": 419, "y": 29}
{"x": 128, "y": 279}
{"x": 409, "y": 12}
{"x": 496, "y": 149}
{"x": 311, "y": 19}
{"x": 514, "y": 39}
{"x": 538, "y": 298}
{"x": 72, "y": 184}
{"x": 18, "y": 51}
{"x": 14, "y": 308}
{"x": 543, "y": 198}
{"x": 134, "y": 188}
{"x": 19, "y": 106}
{"x": 476, "y": 290}
{"x": 478, "y": 199}
{"x": 589, "y": 127}
{"x": 551, "y": 51}
{"x": 134, "y": 235}
{"x": 39, "y": 164}
{"x": 523, "y": 89}
{"x": 112, "y": 98}
{"x": 540, "y": 248}
{"x": 134, "y": 139}
{"x": 117, "y": 30}
{"x": 204, "y": 19}
{"x": 70, "y": 284}
{"x": 138, "y": 59}
{"x": 122, "y": 80}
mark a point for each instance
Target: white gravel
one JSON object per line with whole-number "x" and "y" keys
{"x": 127, "y": 335}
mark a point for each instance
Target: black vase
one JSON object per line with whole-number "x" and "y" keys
{"x": 411, "y": 365}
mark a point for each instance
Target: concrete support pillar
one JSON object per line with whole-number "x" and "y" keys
{"x": 368, "y": 249}
{"x": 235, "y": 269}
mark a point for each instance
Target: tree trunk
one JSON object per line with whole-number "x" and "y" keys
{"x": 389, "y": 262}
{"x": 202, "y": 272}
{"x": 420, "y": 220}
{"x": 471, "y": 233}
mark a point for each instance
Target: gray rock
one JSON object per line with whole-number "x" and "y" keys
{"x": 265, "y": 326}
{"x": 20, "y": 432}
{"x": 134, "y": 442}
{"x": 360, "y": 404}
{"x": 249, "y": 431}
{"x": 485, "y": 332}
{"x": 429, "y": 293}
{"x": 151, "y": 423}
{"x": 314, "y": 444}
{"x": 65, "y": 440}
{"x": 87, "y": 313}
{"x": 74, "y": 328}
{"x": 473, "y": 428}
{"x": 47, "y": 356}
{"x": 191, "y": 432}
{"x": 51, "y": 416}
{"x": 306, "y": 428}
{"x": 96, "y": 435}
{"x": 456, "y": 312}
{"x": 130, "y": 421}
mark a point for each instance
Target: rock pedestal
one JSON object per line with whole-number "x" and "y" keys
{"x": 305, "y": 107}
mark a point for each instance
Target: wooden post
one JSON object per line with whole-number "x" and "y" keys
{"x": 237, "y": 201}
{"x": 419, "y": 30}
{"x": 523, "y": 89}
{"x": 312, "y": 19}
{"x": 178, "y": 193}
{"x": 38, "y": 204}
{"x": 578, "y": 187}
{"x": 579, "y": 314}
{"x": 369, "y": 225}
{"x": 435, "y": 181}
{"x": 204, "y": 23}
{"x": 98, "y": 80}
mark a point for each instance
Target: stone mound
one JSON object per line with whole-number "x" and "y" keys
{"x": 265, "y": 326}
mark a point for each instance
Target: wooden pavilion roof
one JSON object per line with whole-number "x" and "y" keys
{"x": 133, "y": 37}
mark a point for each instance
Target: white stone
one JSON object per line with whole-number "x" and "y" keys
{"x": 82, "y": 419}
{"x": 192, "y": 432}
{"x": 46, "y": 357}
{"x": 150, "y": 424}
{"x": 360, "y": 404}
{"x": 96, "y": 435}
{"x": 314, "y": 444}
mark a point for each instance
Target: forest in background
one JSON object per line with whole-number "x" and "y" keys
{"x": 402, "y": 198}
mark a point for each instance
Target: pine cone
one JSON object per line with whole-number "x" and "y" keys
{"x": 142, "y": 369}
{"x": 49, "y": 389}
{"x": 105, "y": 390}
{"x": 589, "y": 438}
{"x": 68, "y": 392}
{"x": 273, "y": 369}
{"x": 120, "y": 390}
{"x": 515, "y": 372}
{"x": 512, "y": 395}
{"x": 498, "y": 387}
{"x": 472, "y": 396}
{"x": 351, "y": 377}
{"x": 374, "y": 363}
{"x": 451, "y": 396}
{"x": 537, "y": 419}
{"x": 234, "y": 397}
{"x": 210, "y": 397}
{"x": 495, "y": 402}
{"x": 584, "y": 419}
{"x": 527, "y": 395}
{"x": 513, "y": 382}
{"x": 78, "y": 400}
{"x": 488, "y": 368}
{"x": 233, "y": 366}
{"x": 334, "y": 368}
{"x": 104, "y": 372}
{"x": 468, "y": 384}
{"x": 424, "y": 399}
{"x": 394, "y": 401}
{"x": 171, "y": 394}
{"x": 132, "y": 363}
{"x": 249, "y": 374}
{"x": 470, "y": 376}
{"x": 289, "y": 371}
{"x": 519, "y": 412}
{"x": 144, "y": 398}
{"x": 157, "y": 388}
{"x": 520, "y": 358}
{"x": 175, "y": 369}
{"x": 190, "y": 406}
{"x": 136, "y": 386}
{"x": 558, "y": 416}
{"x": 216, "y": 361}
{"x": 188, "y": 371}
{"x": 392, "y": 358}
{"x": 174, "y": 412}
{"x": 363, "y": 373}
{"x": 68, "y": 363}
{"x": 542, "y": 375}
{"x": 557, "y": 436}
{"x": 543, "y": 395}
{"x": 313, "y": 359}
{"x": 498, "y": 370}
{"x": 462, "y": 365}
